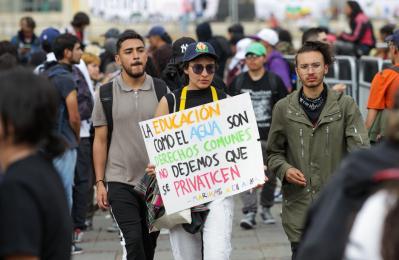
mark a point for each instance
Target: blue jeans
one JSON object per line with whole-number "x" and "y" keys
{"x": 65, "y": 165}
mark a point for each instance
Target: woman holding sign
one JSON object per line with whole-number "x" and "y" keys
{"x": 212, "y": 239}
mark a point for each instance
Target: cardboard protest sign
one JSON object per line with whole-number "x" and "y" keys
{"x": 206, "y": 152}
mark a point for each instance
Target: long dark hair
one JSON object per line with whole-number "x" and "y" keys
{"x": 356, "y": 9}
{"x": 28, "y": 106}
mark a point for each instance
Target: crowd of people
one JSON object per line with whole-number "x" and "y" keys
{"x": 69, "y": 132}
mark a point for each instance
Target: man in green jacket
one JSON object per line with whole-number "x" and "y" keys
{"x": 312, "y": 129}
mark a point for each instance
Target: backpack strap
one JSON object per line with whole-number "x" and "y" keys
{"x": 238, "y": 84}
{"x": 106, "y": 97}
{"x": 394, "y": 68}
{"x": 273, "y": 85}
{"x": 161, "y": 89}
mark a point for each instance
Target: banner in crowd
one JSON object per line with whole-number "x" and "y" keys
{"x": 205, "y": 153}
{"x": 316, "y": 10}
{"x": 291, "y": 9}
{"x": 383, "y": 9}
{"x": 153, "y": 11}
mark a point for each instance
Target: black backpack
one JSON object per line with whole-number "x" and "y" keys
{"x": 106, "y": 97}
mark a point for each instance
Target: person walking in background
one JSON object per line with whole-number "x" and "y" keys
{"x": 382, "y": 48}
{"x": 173, "y": 74}
{"x": 77, "y": 27}
{"x": 67, "y": 51}
{"x": 237, "y": 63}
{"x": 275, "y": 61}
{"x": 84, "y": 170}
{"x": 93, "y": 63}
{"x": 220, "y": 43}
{"x": 160, "y": 47}
{"x": 26, "y": 40}
{"x": 312, "y": 130}
{"x": 265, "y": 89}
{"x": 35, "y": 222}
{"x": 47, "y": 38}
{"x": 382, "y": 91}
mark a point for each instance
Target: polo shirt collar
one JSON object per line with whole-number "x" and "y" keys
{"x": 147, "y": 84}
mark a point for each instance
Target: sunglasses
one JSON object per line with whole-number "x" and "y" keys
{"x": 251, "y": 56}
{"x": 199, "y": 68}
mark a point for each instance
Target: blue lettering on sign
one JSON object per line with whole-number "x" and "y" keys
{"x": 202, "y": 131}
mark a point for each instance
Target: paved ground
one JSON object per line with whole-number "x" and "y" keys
{"x": 265, "y": 242}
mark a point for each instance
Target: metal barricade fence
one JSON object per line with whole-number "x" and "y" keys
{"x": 344, "y": 72}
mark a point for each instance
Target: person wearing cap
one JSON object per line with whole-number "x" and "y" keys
{"x": 47, "y": 38}
{"x": 312, "y": 130}
{"x": 173, "y": 74}
{"x": 220, "y": 43}
{"x": 237, "y": 63}
{"x": 383, "y": 87}
{"x": 160, "y": 47}
{"x": 235, "y": 30}
{"x": 275, "y": 61}
{"x": 112, "y": 33}
{"x": 265, "y": 89}
{"x": 212, "y": 240}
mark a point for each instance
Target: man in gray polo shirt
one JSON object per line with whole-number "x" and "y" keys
{"x": 123, "y": 165}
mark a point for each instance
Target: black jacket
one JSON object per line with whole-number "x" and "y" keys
{"x": 330, "y": 219}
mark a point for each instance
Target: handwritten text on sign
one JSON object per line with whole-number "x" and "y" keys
{"x": 204, "y": 153}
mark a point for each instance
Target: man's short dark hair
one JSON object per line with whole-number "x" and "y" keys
{"x": 128, "y": 35}
{"x": 7, "y": 61}
{"x": 387, "y": 29}
{"x": 63, "y": 42}
{"x": 80, "y": 19}
{"x": 8, "y": 47}
{"x": 317, "y": 46}
{"x": 236, "y": 29}
{"x": 29, "y": 22}
{"x": 311, "y": 33}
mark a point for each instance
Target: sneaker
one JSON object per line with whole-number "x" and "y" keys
{"x": 278, "y": 198}
{"x": 248, "y": 222}
{"x": 77, "y": 235}
{"x": 267, "y": 216}
{"x": 76, "y": 250}
{"x": 89, "y": 224}
{"x": 113, "y": 228}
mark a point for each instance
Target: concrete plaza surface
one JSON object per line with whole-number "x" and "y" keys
{"x": 263, "y": 243}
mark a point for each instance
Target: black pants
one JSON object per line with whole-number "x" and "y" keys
{"x": 250, "y": 200}
{"x": 129, "y": 211}
{"x": 83, "y": 181}
{"x": 294, "y": 249}
{"x": 268, "y": 189}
